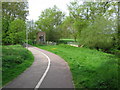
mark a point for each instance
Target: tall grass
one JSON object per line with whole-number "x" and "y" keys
{"x": 90, "y": 68}
{"x": 15, "y": 59}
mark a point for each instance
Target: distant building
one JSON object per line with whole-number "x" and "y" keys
{"x": 41, "y": 38}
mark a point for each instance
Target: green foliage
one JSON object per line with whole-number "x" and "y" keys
{"x": 17, "y": 33}
{"x": 15, "y": 59}
{"x": 10, "y": 12}
{"x": 49, "y": 22}
{"x": 118, "y": 25}
{"x": 98, "y": 34}
{"x": 68, "y": 28}
{"x": 90, "y": 68}
{"x": 13, "y": 10}
{"x": 95, "y": 23}
{"x": 5, "y": 28}
{"x": 31, "y": 30}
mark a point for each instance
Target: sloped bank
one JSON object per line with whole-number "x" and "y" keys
{"x": 15, "y": 59}
{"x": 90, "y": 68}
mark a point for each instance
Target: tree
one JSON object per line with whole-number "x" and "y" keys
{"x": 10, "y": 12}
{"x": 68, "y": 28}
{"x": 13, "y": 10}
{"x": 50, "y": 22}
{"x": 31, "y": 30}
{"x": 17, "y": 32}
{"x": 99, "y": 34}
{"x": 94, "y": 31}
{"x": 77, "y": 18}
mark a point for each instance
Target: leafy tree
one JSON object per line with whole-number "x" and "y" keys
{"x": 65, "y": 28}
{"x": 17, "y": 32}
{"x": 77, "y": 18}
{"x": 68, "y": 28}
{"x": 99, "y": 34}
{"x": 90, "y": 27}
{"x": 10, "y": 12}
{"x": 50, "y": 22}
{"x": 32, "y": 31}
{"x": 13, "y": 10}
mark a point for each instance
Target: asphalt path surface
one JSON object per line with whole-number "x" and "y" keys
{"x": 47, "y": 71}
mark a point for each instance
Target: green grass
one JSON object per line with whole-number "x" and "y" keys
{"x": 65, "y": 41}
{"x": 15, "y": 59}
{"x": 90, "y": 68}
{"x": 69, "y": 40}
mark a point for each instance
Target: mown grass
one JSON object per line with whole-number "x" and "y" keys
{"x": 15, "y": 59}
{"x": 69, "y": 40}
{"x": 65, "y": 41}
{"x": 90, "y": 68}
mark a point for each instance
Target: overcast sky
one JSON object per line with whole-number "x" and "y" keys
{"x": 37, "y": 6}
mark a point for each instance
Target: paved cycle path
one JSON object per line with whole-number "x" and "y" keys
{"x": 47, "y": 71}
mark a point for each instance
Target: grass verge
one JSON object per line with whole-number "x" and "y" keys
{"x": 90, "y": 68}
{"x": 15, "y": 59}
{"x": 65, "y": 41}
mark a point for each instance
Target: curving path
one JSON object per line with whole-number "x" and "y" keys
{"x": 47, "y": 71}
